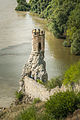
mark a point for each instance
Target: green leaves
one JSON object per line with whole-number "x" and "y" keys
{"x": 62, "y": 104}
{"x": 19, "y": 95}
{"x": 54, "y": 82}
{"x": 72, "y": 75}
{"x": 38, "y": 6}
{"x": 22, "y": 5}
{"x": 75, "y": 46}
{"x": 29, "y": 114}
{"x": 64, "y": 19}
{"x": 73, "y": 31}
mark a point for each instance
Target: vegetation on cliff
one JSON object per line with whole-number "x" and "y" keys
{"x": 72, "y": 75}
{"x": 64, "y": 19}
{"x": 54, "y": 82}
{"x": 22, "y": 5}
{"x": 58, "y": 107}
{"x": 61, "y": 104}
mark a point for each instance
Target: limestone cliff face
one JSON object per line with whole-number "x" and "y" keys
{"x": 35, "y": 68}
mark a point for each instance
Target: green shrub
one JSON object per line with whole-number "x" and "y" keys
{"x": 53, "y": 83}
{"x": 40, "y": 81}
{"x": 33, "y": 113}
{"x": 45, "y": 116}
{"x": 66, "y": 44}
{"x": 78, "y": 97}
{"x": 36, "y": 100}
{"x": 29, "y": 114}
{"x": 19, "y": 95}
{"x": 62, "y": 104}
{"x": 72, "y": 75}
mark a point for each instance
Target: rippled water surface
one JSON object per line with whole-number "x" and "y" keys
{"x": 15, "y": 48}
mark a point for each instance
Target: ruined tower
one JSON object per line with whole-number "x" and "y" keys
{"x": 38, "y": 41}
{"x": 35, "y": 68}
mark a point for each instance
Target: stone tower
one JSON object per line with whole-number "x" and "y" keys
{"x": 38, "y": 41}
{"x": 35, "y": 68}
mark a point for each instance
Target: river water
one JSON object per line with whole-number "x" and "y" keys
{"x": 15, "y": 48}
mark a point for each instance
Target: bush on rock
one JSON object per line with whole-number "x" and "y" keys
{"x": 62, "y": 104}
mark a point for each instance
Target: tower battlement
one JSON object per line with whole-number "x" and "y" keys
{"x": 38, "y": 40}
{"x": 38, "y": 32}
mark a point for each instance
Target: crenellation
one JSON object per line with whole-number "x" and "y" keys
{"x": 38, "y": 32}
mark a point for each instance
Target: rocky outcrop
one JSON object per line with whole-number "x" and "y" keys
{"x": 35, "y": 68}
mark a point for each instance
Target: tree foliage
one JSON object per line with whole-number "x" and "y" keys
{"x": 63, "y": 17}
{"x": 72, "y": 75}
{"x": 38, "y": 6}
{"x": 73, "y": 30}
{"x": 54, "y": 82}
{"x": 22, "y": 5}
{"x": 75, "y": 46}
{"x": 61, "y": 104}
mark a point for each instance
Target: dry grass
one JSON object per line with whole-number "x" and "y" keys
{"x": 13, "y": 111}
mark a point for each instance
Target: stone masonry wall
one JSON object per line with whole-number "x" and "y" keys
{"x": 37, "y": 90}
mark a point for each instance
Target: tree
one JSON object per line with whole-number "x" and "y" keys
{"x": 75, "y": 46}
{"x": 22, "y": 5}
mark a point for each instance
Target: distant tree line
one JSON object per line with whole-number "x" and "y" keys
{"x": 64, "y": 20}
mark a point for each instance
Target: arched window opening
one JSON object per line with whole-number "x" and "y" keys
{"x": 39, "y": 46}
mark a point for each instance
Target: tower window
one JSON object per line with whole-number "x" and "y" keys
{"x": 39, "y": 46}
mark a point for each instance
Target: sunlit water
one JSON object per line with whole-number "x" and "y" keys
{"x": 15, "y": 47}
